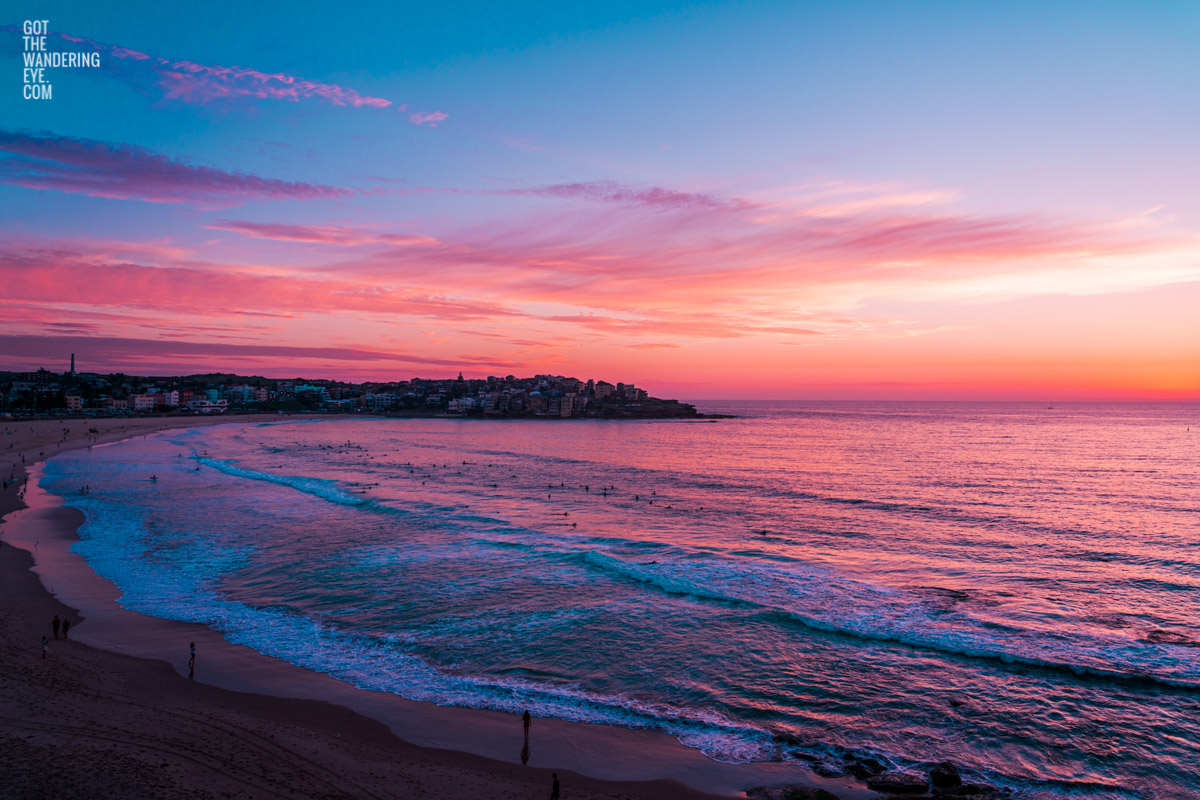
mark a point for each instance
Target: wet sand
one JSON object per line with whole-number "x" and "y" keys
{"x": 113, "y": 713}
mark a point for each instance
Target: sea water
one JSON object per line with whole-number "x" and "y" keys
{"x": 1012, "y": 587}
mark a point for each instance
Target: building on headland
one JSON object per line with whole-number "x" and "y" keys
{"x": 566, "y": 404}
{"x": 542, "y": 396}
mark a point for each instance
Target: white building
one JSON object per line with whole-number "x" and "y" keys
{"x": 209, "y": 406}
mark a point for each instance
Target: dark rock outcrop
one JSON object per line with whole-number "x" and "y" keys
{"x": 944, "y": 776}
{"x": 865, "y": 768}
{"x": 899, "y": 782}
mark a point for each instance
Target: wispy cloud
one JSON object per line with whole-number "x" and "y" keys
{"x": 700, "y": 270}
{"x": 91, "y": 279}
{"x": 707, "y": 266}
{"x": 200, "y": 83}
{"x": 187, "y": 81}
{"x": 104, "y": 169}
{"x": 613, "y": 192}
{"x": 732, "y": 325}
{"x": 115, "y": 351}
{"x": 320, "y": 234}
{"x": 430, "y": 118}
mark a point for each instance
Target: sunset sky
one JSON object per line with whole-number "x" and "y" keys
{"x": 815, "y": 200}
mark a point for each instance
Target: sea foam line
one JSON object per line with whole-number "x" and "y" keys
{"x": 859, "y": 600}
{"x": 957, "y": 643}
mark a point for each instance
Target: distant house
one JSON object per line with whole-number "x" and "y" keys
{"x": 380, "y": 399}
{"x": 147, "y": 402}
{"x": 461, "y": 405}
{"x": 208, "y": 406}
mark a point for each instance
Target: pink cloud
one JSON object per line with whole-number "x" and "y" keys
{"x": 320, "y": 234}
{"x": 102, "y": 169}
{"x": 699, "y": 326}
{"x": 432, "y": 118}
{"x": 199, "y": 83}
{"x": 191, "y": 82}
{"x": 711, "y": 267}
{"x": 613, "y": 192}
{"x": 700, "y": 269}
{"x": 705, "y": 240}
{"x": 125, "y": 52}
{"x": 91, "y": 280}
{"x": 119, "y": 352}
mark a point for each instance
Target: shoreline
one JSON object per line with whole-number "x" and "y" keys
{"x": 485, "y": 744}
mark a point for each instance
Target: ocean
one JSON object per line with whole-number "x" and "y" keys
{"x": 1013, "y": 587}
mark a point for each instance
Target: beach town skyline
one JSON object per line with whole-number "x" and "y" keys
{"x": 543, "y": 396}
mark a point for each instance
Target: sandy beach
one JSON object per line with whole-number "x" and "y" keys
{"x": 112, "y": 713}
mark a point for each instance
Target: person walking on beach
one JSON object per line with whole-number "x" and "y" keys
{"x": 55, "y": 623}
{"x": 44, "y": 643}
{"x": 554, "y": 786}
{"x": 525, "y": 718}
{"x": 66, "y": 627}
{"x": 192, "y": 658}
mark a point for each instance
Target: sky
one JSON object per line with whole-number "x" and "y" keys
{"x": 960, "y": 200}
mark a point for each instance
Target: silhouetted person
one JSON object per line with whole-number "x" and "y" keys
{"x": 66, "y": 627}
{"x": 43, "y": 647}
{"x": 56, "y": 623}
{"x": 191, "y": 659}
{"x": 525, "y": 718}
{"x": 554, "y": 786}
